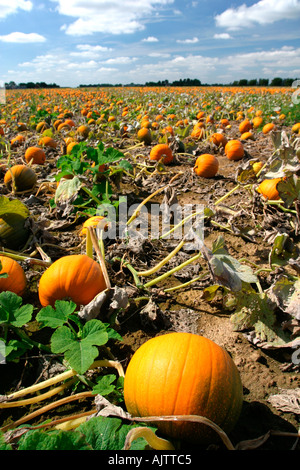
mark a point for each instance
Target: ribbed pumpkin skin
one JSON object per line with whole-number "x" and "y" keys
{"x": 24, "y": 177}
{"x": 180, "y": 374}
{"x": 206, "y": 165}
{"x": 35, "y": 155}
{"x": 75, "y": 277}
{"x": 16, "y": 280}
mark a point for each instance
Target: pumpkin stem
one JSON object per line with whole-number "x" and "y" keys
{"x": 172, "y": 271}
{"x": 163, "y": 262}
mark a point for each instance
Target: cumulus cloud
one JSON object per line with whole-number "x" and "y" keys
{"x": 90, "y": 52}
{"x": 222, "y": 36}
{"x": 8, "y": 8}
{"x": 150, "y": 39}
{"x": 262, "y": 13}
{"x": 22, "y": 37}
{"x": 105, "y": 16}
{"x": 188, "y": 41}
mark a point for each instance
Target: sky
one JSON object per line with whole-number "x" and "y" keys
{"x": 73, "y": 42}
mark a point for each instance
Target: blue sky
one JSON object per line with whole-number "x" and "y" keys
{"x": 72, "y": 42}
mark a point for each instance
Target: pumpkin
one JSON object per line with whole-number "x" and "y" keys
{"x": 18, "y": 140}
{"x": 257, "y": 166}
{"x": 20, "y": 178}
{"x": 218, "y": 139}
{"x": 13, "y": 232}
{"x": 16, "y": 280}
{"x": 162, "y": 152}
{"x": 247, "y": 136}
{"x": 268, "y": 189}
{"x": 35, "y": 155}
{"x": 42, "y": 126}
{"x": 234, "y": 150}
{"x": 48, "y": 142}
{"x": 75, "y": 277}
{"x": 83, "y": 131}
{"x": 206, "y": 165}
{"x": 268, "y": 127}
{"x": 144, "y": 135}
{"x": 257, "y": 121}
{"x": 245, "y": 126}
{"x": 184, "y": 374}
{"x": 296, "y": 127}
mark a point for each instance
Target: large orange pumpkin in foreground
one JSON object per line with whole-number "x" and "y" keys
{"x": 206, "y": 165}
{"x": 16, "y": 280}
{"x": 182, "y": 374}
{"x": 74, "y": 277}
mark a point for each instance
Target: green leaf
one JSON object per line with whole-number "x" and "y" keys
{"x": 103, "y": 433}
{"x": 52, "y": 440}
{"x": 11, "y": 310}
{"x": 13, "y": 206}
{"x": 256, "y": 311}
{"x": 105, "y": 385}
{"x": 80, "y": 352}
{"x": 282, "y": 251}
{"x": 289, "y": 190}
{"x": 58, "y": 316}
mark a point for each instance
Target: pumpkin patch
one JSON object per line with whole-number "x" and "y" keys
{"x": 149, "y": 248}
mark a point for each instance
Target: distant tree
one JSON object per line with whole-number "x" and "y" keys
{"x": 263, "y": 82}
{"x": 243, "y": 82}
{"x": 277, "y": 81}
{"x": 252, "y": 82}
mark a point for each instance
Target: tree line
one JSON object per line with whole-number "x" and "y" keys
{"x": 263, "y": 82}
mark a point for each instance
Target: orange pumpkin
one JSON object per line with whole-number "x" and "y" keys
{"x": 144, "y": 135}
{"x": 268, "y": 189}
{"x": 257, "y": 121}
{"x": 296, "y": 127}
{"x": 184, "y": 374}
{"x": 218, "y": 139}
{"x": 20, "y": 177}
{"x": 35, "y": 155}
{"x": 268, "y": 128}
{"x": 75, "y": 277}
{"x": 234, "y": 150}
{"x": 42, "y": 126}
{"x": 48, "y": 142}
{"x": 83, "y": 131}
{"x": 16, "y": 280}
{"x": 206, "y": 165}
{"x": 18, "y": 140}
{"x": 247, "y": 136}
{"x": 245, "y": 126}
{"x": 162, "y": 152}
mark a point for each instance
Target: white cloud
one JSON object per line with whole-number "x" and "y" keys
{"x": 188, "y": 41}
{"x": 222, "y": 36}
{"x": 22, "y": 38}
{"x": 12, "y": 6}
{"x": 150, "y": 39}
{"x": 90, "y": 52}
{"x": 262, "y": 13}
{"x": 107, "y": 16}
{"x": 121, "y": 60}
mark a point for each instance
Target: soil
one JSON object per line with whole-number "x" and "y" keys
{"x": 264, "y": 372}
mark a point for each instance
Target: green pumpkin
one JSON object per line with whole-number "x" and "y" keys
{"x": 13, "y": 232}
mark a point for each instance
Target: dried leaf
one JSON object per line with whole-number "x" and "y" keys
{"x": 286, "y": 294}
{"x": 287, "y": 401}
